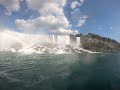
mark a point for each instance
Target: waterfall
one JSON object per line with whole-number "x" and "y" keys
{"x": 67, "y": 40}
{"x": 36, "y": 43}
{"x": 78, "y": 41}
{"x": 63, "y": 40}
{"x": 52, "y": 38}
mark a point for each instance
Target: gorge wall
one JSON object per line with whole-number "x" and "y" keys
{"x": 97, "y": 43}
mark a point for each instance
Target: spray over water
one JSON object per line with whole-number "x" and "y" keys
{"x": 31, "y": 43}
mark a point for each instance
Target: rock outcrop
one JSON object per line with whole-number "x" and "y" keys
{"x": 97, "y": 43}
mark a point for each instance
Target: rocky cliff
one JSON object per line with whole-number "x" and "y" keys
{"x": 99, "y": 44}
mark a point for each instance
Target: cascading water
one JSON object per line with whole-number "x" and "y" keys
{"x": 67, "y": 40}
{"x": 78, "y": 41}
{"x": 63, "y": 40}
{"x": 30, "y": 43}
{"x": 52, "y": 38}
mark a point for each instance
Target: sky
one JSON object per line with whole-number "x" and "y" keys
{"x": 101, "y": 17}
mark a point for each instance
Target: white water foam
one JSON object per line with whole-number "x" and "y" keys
{"x": 31, "y": 43}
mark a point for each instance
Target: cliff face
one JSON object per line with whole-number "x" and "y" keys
{"x": 99, "y": 44}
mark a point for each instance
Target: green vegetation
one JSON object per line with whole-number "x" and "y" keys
{"x": 100, "y": 44}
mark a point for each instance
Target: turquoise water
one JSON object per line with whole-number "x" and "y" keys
{"x": 59, "y": 72}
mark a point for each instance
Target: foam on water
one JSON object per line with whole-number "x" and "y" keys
{"x": 31, "y": 43}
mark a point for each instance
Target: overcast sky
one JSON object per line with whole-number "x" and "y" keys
{"x": 61, "y": 16}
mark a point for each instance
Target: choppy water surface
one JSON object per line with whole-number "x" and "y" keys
{"x": 59, "y": 72}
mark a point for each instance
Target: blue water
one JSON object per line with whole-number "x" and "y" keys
{"x": 59, "y": 72}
